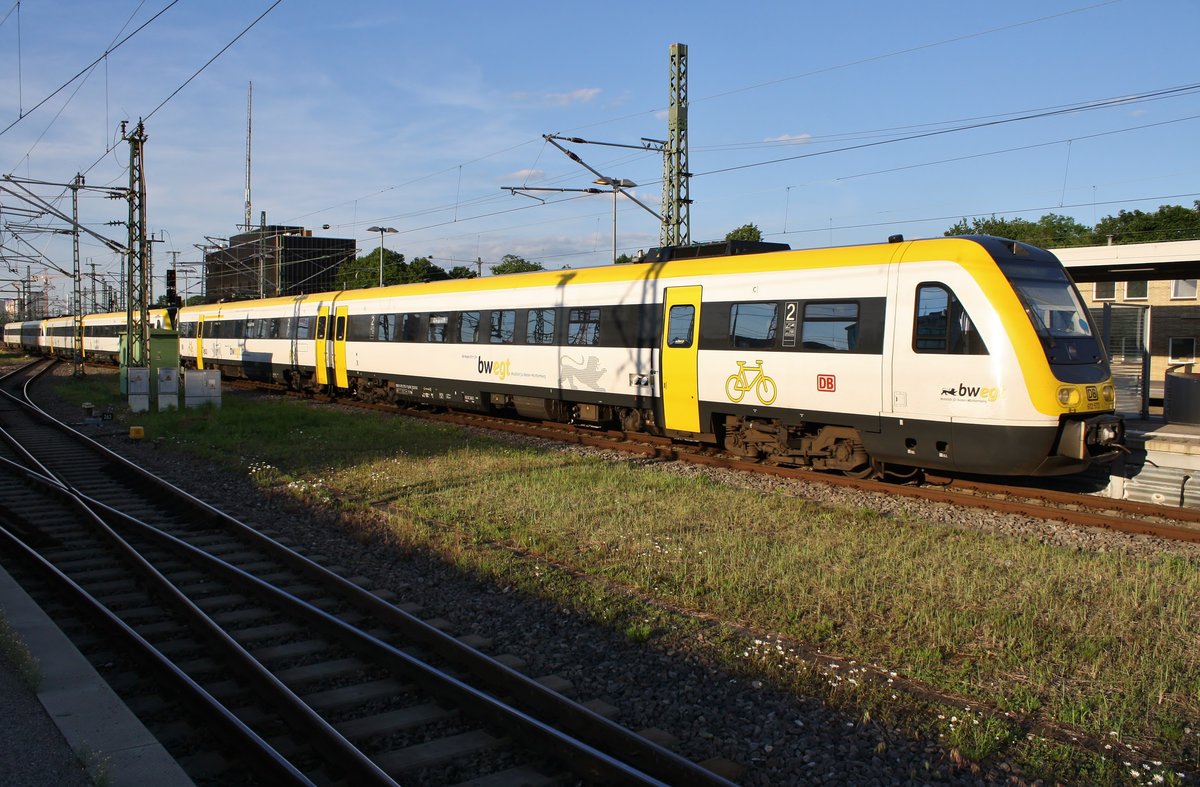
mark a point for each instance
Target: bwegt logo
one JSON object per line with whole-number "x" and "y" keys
{"x": 498, "y": 368}
{"x": 964, "y": 391}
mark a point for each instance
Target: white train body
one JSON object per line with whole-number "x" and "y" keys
{"x": 969, "y": 354}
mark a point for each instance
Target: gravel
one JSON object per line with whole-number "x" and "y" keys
{"x": 776, "y": 736}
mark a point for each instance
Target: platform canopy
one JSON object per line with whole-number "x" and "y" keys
{"x": 1132, "y": 261}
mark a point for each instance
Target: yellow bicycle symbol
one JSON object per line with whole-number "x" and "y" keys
{"x": 737, "y": 384}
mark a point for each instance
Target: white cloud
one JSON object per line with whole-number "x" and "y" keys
{"x": 797, "y": 139}
{"x": 581, "y": 95}
{"x": 524, "y": 175}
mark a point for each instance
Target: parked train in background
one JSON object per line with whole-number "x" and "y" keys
{"x": 970, "y": 354}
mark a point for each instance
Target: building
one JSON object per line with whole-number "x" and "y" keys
{"x": 1153, "y": 308}
{"x": 274, "y": 260}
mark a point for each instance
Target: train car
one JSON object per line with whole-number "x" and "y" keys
{"x": 102, "y": 333}
{"x": 25, "y": 335}
{"x": 970, "y": 354}
{"x": 56, "y": 335}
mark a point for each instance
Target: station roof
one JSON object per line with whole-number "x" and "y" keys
{"x": 1132, "y": 261}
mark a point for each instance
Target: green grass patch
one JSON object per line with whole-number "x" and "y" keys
{"x": 1103, "y": 643}
{"x": 14, "y": 649}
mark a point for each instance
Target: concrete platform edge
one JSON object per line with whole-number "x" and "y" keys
{"x": 92, "y": 718}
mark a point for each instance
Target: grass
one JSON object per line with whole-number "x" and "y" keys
{"x": 13, "y": 648}
{"x": 1101, "y": 643}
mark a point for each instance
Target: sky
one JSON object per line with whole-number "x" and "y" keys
{"x": 820, "y": 123}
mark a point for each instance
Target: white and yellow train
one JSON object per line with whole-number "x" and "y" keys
{"x": 970, "y": 354}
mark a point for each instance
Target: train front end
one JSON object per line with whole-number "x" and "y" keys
{"x": 1065, "y": 363}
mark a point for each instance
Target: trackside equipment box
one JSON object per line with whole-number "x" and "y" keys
{"x": 201, "y": 387}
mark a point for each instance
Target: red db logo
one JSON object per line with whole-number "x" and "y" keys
{"x": 826, "y": 383}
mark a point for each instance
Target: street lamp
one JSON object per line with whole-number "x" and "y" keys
{"x": 382, "y": 231}
{"x": 616, "y": 184}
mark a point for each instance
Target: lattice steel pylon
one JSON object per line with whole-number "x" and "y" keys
{"x": 137, "y": 290}
{"x": 676, "y": 228}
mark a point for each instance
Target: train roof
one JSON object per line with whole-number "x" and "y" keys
{"x": 961, "y": 248}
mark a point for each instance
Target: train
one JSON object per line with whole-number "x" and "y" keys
{"x": 968, "y": 354}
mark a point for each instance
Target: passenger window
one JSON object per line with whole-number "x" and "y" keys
{"x": 385, "y": 327}
{"x": 304, "y": 327}
{"x": 412, "y": 327}
{"x": 942, "y": 325}
{"x": 468, "y": 327}
{"x": 681, "y": 325}
{"x": 322, "y": 326}
{"x": 752, "y": 324}
{"x": 340, "y": 329}
{"x": 539, "y": 328}
{"x": 583, "y": 326}
{"x": 504, "y": 324}
{"x": 830, "y": 326}
{"x": 437, "y": 327}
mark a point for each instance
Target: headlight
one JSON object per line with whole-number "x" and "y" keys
{"x": 1109, "y": 393}
{"x": 1068, "y": 396}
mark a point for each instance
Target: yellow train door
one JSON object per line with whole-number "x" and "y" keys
{"x": 680, "y": 356}
{"x": 321, "y": 361}
{"x": 339, "y": 348}
{"x": 200, "y": 342}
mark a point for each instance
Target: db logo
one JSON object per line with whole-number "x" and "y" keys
{"x": 826, "y": 383}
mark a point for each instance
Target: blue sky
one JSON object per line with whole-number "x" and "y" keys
{"x": 415, "y": 116}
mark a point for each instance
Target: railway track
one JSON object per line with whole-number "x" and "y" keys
{"x": 254, "y": 663}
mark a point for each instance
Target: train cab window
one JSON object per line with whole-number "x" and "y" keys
{"x": 942, "y": 325}
{"x": 503, "y": 327}
{"x": 539, "y": 326}
{"x": 468, "y": 327}
{"x": 830, "y": 326}
{"x": 437, "y": 327}
{"x": 583, "y": 326}
{"x": 752, "y": 324}
{"x": 681, "y": 325}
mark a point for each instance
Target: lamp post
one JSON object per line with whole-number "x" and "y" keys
{"x": 616, "y": 184}
{"x": 382, "y": 231}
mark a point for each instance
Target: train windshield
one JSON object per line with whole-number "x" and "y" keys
{"x": 1054, "y": 307}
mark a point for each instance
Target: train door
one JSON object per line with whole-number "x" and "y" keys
{"x": 339, "y": 348}
{"x": 321, "y": 362}
{"x": 200, "y": 342}
{"x": 941, "y": 372}
{"x": 680, "y": 359}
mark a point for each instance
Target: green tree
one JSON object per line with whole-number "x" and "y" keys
{"x": 421, "y": 269}
{"x": 1050, "y": 231}
{"x": 511, "y": 263}
{"x": 364, "y": 271}
{"x": 745, "y": 232}
{"x": 461, "y": 272}
{"x": 1169, "y": 222}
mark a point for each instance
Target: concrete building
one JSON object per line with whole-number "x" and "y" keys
{"x": 1150, "y": 291}
{"x": 274, "y": 260}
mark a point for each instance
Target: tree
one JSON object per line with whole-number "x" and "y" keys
{"x": 461, "y": 272}
{"x": 1050, "y": 231}
{"x": 1169, "y": 222}
{"x": 745, "y": 232}
{"x": 421, "y": 270}
{"x": 364, "y": 271}
{"x": 511, "y": 263}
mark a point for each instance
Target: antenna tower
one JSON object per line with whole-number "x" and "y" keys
{"x": 676, "y": 228}
{"x": 249, "y": 115}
